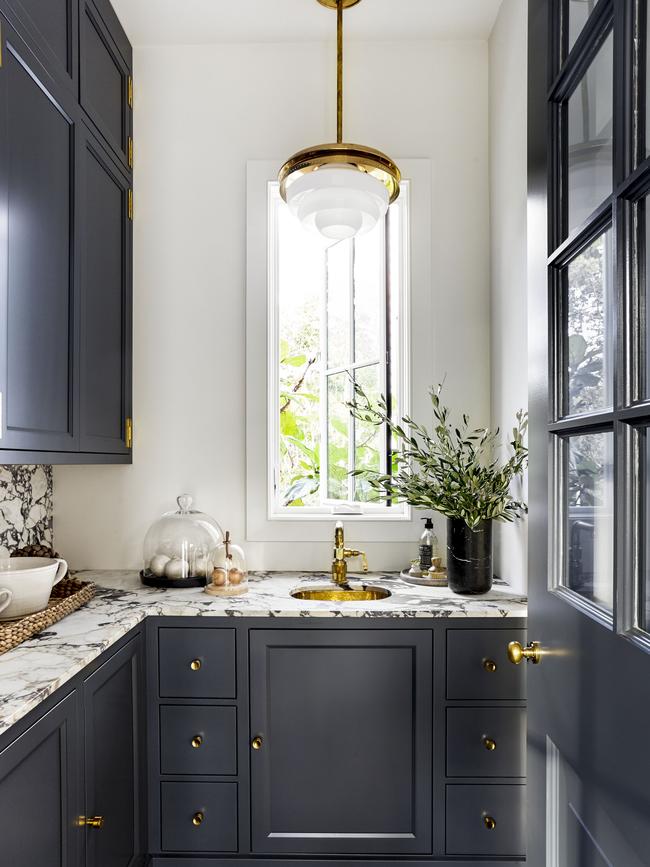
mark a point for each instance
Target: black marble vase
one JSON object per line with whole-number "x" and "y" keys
{"x": 469, "y": 557}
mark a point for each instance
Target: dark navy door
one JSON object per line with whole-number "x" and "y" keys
{"x": 589, "y": 182}
{"x": 341, "y": 741}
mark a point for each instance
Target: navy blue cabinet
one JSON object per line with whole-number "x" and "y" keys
{"x": 51, "y": 27}
{"x": 345, "y": 720}
{"x": 105, "y": 83}
{"x": 294, "y": 744}
{"x": 38, "y": 282}
{"x": 65, "y": 234}
{"x": 105, "y": 245}
{"x": 113, "y": 786}
{"x": 40, "y": 796}
{"x": 289, "y": 741}
{"x": 72, "y": 790}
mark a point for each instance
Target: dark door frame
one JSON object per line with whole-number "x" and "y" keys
{"x": 596, "y": 659}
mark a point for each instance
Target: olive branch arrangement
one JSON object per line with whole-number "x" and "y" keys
{"x": 452, "y": 470}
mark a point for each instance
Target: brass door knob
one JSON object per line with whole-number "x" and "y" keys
{"x": 489, "y": 744}
{"x": 489, "y": 823}
{"x": 531, "y": 653}
{"x": 195, "y": 664}
{"x": 196, "y": 741}
{"x": 257, "y": 742}
{"x": 91, "y": 822}
{"x": 489, "y": 665}
{"x": 197, "y": 818}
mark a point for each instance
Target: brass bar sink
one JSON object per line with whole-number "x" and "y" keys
{"x": 341, "y": 594}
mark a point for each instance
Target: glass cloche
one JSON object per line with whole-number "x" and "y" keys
{"x": 229, "y": 576}
{"x": 180, "y": 547}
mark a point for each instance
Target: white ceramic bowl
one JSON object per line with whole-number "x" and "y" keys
{"x": 30, "y": 581}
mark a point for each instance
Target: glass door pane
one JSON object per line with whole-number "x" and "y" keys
{"x": 579, "y": 12}
{"x": 589, "y": 118}
{"x": 588, "y": 328}
{"x": 588, "y": 569}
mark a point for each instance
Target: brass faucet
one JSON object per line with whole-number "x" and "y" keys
{"x": 342, "y": 555}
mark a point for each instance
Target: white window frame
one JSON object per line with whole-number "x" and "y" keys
{"x": 264, "y": 522}
{"x": 330, "y": 506}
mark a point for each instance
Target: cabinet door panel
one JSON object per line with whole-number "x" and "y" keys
{"x": 104, "y": 85}
{"x": 39, "y": 793}
{"x": 113, "y": 775}
{"x": 105, "y": 251}
{"x": 52, "y": 27}
{"x": 345, "y": 718}
{"x": 37, "y": 286}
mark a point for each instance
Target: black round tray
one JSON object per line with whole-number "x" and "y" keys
{"x": 172, "y": 583}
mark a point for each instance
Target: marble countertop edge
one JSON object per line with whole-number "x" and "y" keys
{"x": 34, "y": 670}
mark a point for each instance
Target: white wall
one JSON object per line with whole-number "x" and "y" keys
{"x": 509, "y": 360}
{"x": 201, "y": 112}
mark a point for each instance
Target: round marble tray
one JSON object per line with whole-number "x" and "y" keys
{"x": 423, "y": 581}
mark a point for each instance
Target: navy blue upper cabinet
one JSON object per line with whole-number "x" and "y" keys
{"x": 51, "y": 27}
{"x": 105, "y": 76}
{"x": 65, "y": 233}
{"x": 38, "y": 285}
{"x": 105, "y": 254}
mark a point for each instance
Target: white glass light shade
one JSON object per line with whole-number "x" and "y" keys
{"x": 338, "y": 202}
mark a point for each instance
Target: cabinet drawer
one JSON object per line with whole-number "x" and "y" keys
{"x": 196, "y": 663}
{"x": 468, "y": 810}
{"x": 486, "y": 742}
{"x": 478, "y": 667}
{"x": 198, "y": 740}
{"x": 199, "y": 817}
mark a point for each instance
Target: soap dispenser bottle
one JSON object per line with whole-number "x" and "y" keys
{"x": 428, "y": 542}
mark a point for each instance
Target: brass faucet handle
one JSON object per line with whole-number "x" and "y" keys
{"x": 349, "y": 553}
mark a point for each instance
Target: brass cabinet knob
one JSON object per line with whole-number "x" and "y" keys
{"x": 489, "y": 744}
{"x": 91, "y": 822}
{"x": 531, "y": 653}
{"x": 195, "y": 664}
{"x": 197, "y": 818}
{"x": 196, "y": 741}
{"x": 489, "y": 665}
{"x": 257, "y": 742}
{"x": 489, "y": 823}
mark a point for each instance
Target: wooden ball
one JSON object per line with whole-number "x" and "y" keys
{"x": 219, "y": 577}
{"x": 235, "y": 576}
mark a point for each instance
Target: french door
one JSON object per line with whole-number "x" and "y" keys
{"x": 588, "y": 231}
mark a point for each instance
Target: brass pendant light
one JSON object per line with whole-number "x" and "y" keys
{"x": 339, "y": 189}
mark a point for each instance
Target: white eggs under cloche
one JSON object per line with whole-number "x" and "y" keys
{"x": 180, "y": 547}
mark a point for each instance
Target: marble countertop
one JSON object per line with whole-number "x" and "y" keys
{"x": 35, "y": 669}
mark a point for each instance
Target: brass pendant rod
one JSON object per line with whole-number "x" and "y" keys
{"x": 339, "y": 71}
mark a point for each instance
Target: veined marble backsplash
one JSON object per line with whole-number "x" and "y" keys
{"x": 25, "y": 507}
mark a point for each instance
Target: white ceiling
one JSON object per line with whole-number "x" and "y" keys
{"x": 151, "y": 22}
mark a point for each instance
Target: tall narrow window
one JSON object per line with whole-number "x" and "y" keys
{"x": 338, "y": 318}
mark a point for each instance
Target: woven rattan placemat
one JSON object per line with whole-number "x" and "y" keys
{"x": 67, "y": 596}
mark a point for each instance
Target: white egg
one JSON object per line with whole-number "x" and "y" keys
{"x": 158, "y": 563}
{"x": 177, "y": 568}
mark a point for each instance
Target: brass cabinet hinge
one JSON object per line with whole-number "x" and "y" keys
{"x": 128, "y": 433}
{"x": 130, "y": 92}
{"x": 130, "y": 149}
{"x": 130, "y": 205}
